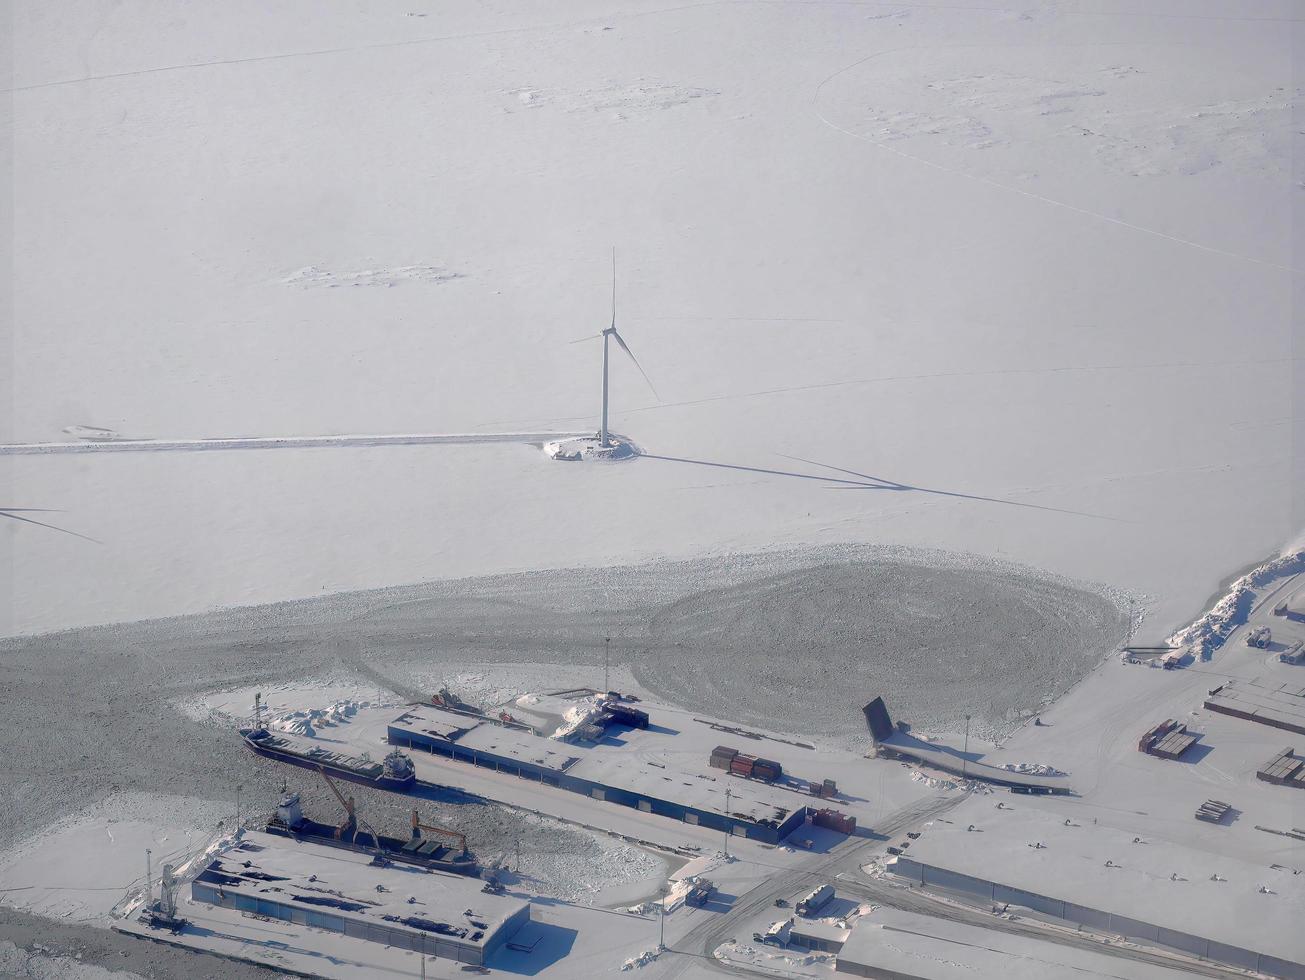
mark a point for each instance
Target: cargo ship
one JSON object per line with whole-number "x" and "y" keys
{"x": 418, "y": 850}
{"x": 394, "y": 772}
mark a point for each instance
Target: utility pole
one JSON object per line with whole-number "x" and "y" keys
{"x": 607, "y": 663}
{"x": 966, "y": 751}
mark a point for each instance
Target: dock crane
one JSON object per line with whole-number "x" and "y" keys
{"x": 348, "y": 827}
{"x": 418, "y": 827}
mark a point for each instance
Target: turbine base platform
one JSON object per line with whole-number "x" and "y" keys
{"x": 588, "y": 449}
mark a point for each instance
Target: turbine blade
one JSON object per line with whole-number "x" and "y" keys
{"x": 614, "y": 290}
{"x": 585, "y": 340}
{"x": 625, "y": 347}
{"x": 28, "y": 520}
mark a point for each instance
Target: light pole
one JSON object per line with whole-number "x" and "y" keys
{"x": 965, "y": 752}
{"x": 607, "y": 653}
{"x": 727, "y": 821}
{"x": 238, "y": 788}
{"x": 661, "y": 939}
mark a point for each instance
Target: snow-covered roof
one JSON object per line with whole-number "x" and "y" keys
{"x": 819, "y": 929}
{"x": 1138, "y": 883}
{"x": 665, "y": 762}
{"x": 938, "y": 949}
{"x": 288, "y": 871}
{"x": 487, "y": 735}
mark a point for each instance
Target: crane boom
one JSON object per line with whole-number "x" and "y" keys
{"x": 418, "y": 826}
{"x": 349, "y": 823}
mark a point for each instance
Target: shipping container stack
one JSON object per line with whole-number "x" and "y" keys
{"x": 766, "y": 769}
{"x": 741, "y": 765}
{"x": 834, "y": 820}
{"x": 722, "y": 756}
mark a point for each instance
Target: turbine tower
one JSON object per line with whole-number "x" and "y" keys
{"x": 610, "y": 333}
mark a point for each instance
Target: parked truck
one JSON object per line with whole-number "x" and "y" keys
{"x": 813, "y": 902}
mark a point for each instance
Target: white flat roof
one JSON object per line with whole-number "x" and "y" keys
{"x": 296, "y": 870}
{"x": 937, "y": 949}
{"x": 667, "y": 764}
{"x": 1139, "y": 885}
{"x": 819, "y": 929}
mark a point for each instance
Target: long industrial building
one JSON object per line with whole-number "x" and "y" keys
{"x": 627, "y": 773}
{"x": 1110, "y": 881}
{"x": 442, "y": 915}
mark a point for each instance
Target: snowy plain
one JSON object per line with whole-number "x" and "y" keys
{"x": 875, "y": 256}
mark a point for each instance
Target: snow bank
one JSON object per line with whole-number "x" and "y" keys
{"x": 772, "y": 960}
{"x": 643, "y": 959}
{"x": 935, "y": 782}
{"x": 942, "y": 782}
{"x": 308, "y": 722}
{"x": 577, "y": 717}
{"x": 291, "y": 707}
{"x": 1207, "y": 634}
{"x": 1033, "y": 768}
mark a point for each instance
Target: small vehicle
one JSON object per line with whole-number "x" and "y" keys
{"x": 781, "y": 903}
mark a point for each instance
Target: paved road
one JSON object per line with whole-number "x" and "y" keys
{"x": 844, "y": 865}
{"x": 699, "y": 942}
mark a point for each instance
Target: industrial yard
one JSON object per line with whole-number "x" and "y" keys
{"x": 724, "y": 824}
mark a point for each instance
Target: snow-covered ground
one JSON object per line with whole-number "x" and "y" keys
{"x": 1010, "y": 282}
{"x": 78, "y": 869}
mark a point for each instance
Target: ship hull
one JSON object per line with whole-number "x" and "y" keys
{"x": 364, "y": 843}
{"x": 332, "y": 768}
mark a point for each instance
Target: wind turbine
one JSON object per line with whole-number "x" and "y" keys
{"x": 610, "y": 334}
